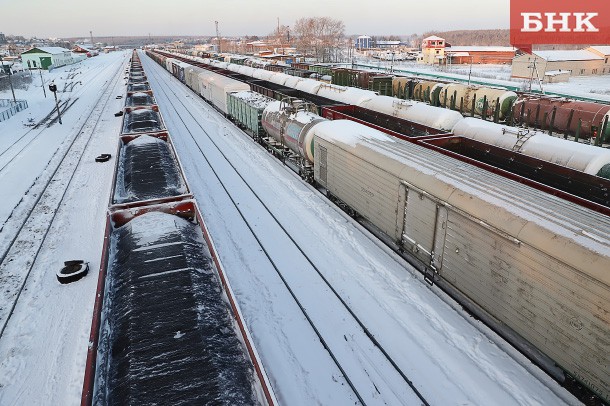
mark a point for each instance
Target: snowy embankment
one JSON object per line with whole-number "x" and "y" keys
{"x": 44, "y": 345}
{"x": 450, "y": 358}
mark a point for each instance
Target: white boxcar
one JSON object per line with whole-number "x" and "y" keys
{"x": 214, "y": 88}
{"x": 168, "y": 64}
{"x": 191, "y": 77}
{"x": 533, "y": 262}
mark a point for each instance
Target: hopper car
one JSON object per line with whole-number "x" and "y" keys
{"x": 160, "y": 272}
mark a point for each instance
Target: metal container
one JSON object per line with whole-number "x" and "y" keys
{"x": 581, "y": 157}
{"x": 417, "y": 112}
{"x": 427, "y": 91}
{"x": 536, "y": 264}
{"x": 562, "y": 115}
{"x": 289, "y": 126}
{"x": 246, "y": 108}
{"x": 215, "y": 87}
{"x": 458, "y": 96}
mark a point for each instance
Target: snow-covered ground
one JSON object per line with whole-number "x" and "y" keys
{"x": 251, "y": 203}
{"x": 43, "y": 343}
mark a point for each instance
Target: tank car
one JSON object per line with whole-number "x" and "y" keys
{"x": 570, "y": 117}
{"x": 427, "y": 91}
{"x": 288, "y": 122}
{"x": 417, "y": 112}
{"x": 486, "y": 100}
{"x": 533, "y": 265}
{"x": 347, "y": 95}
{"x": 585, "y": 158}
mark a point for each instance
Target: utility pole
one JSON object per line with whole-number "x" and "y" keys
{"x": 470, "y": 71}
{"x": 217, "y": 35}
{"x": 42, "y": 83}
{"x": 91, "y": 36}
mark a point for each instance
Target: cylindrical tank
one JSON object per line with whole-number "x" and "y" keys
{"x": 421, "y": 113}
{"x": 264, "y": 74}
{"x": 484, "y": 95}
{"x": 309, "y": 86}
{"x": 427, "y": 91}
{"x": 279, "y": 78}
{"x": 290, "y": 126}
{"x": 401, "y": 87}
{"x": 347, "y": 95}
{"x": 538, "y": 112}
{"x": 581, "y": 157}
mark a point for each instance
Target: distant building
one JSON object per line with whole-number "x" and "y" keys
{"x": 364, "y": 42}
{"x": 81, "y": 49}
{"x": 432, "y": 51}
{"x": 539, "y": 63}
{"x": 604, "y": 52}
{"x": 479, "y": 54}
{"x": 2, "y": 38}
{"x": 45, "y": 57}
{"x": 387, "y": 44}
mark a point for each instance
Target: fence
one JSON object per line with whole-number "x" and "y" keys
{"x": 9, "y": 108}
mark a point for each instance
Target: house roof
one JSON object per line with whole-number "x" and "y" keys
{"x": 575, "y": 55}
{"x": 433, "y": 38}
{"x": 602, "y": 49}
{"x": 84, "y": 48}
{"x": 47, "y": 50}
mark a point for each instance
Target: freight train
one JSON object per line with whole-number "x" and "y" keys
{"x": 436, "y": 120}
{"x": 531, "y": 265}
{"x": 578, "y": 119}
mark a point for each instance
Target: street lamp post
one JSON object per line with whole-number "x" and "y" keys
{"x": 53, "y": 88}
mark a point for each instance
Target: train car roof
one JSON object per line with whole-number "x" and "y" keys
{"x": 574, "y": 235}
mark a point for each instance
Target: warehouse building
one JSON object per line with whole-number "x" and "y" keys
{"x": 604, "y": 52}
{"x": 479, "y": 54}
{"x": 45, "y": 57}
{"x": 539, "y": 63}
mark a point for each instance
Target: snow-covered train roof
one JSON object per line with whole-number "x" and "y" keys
{"x": 575, "y": 235}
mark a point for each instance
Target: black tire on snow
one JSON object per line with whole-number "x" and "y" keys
{"x": 103, "y": 158}
{"x": 72, "y": 273}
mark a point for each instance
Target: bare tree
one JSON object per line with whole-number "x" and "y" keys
{"x": 320, "y": 37}
{"x": 280, "y": 37}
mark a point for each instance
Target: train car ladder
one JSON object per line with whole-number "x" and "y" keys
{"x": 522, "y": 139}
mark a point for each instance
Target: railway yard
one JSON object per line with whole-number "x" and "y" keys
{"x": 253, "y": 238}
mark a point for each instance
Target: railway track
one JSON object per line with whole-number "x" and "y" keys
{"x": 19, "y": 257}
{"x": 11, "y": 161}
{"x": 13, "y": 150}
{"x": 346, "y": 339}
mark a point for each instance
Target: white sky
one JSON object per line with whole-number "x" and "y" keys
{"x": 69, "y": 18}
